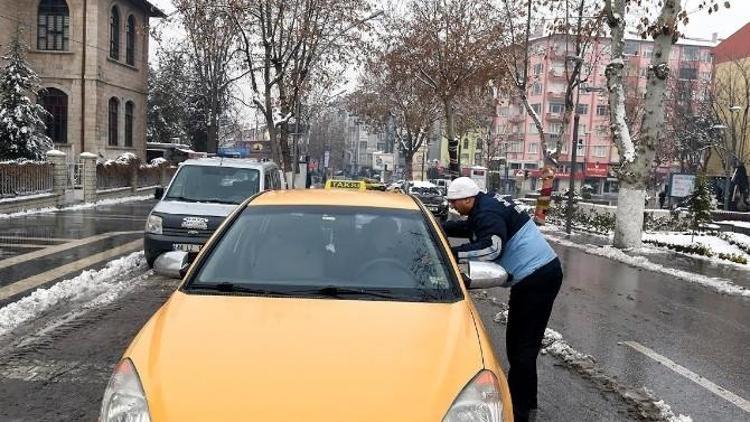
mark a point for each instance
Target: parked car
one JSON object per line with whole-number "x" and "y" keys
{"x": 431, "y": 197}
{"x": 201, "y": 194}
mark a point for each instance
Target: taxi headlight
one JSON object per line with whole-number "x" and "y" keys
{"x": 478, "y": 401}
{"x": 153, "y": 224}
{"x": 124, "y": 399}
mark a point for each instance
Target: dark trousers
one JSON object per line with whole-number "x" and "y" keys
{"x": 530, "y": 306}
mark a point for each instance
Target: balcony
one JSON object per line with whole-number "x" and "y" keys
{"x": 555, "y": 95}
{"x": 556, "y": 75}
{"x": 553, "y": 117}
{"x": 517, "y": 118}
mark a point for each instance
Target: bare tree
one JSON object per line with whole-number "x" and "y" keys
{"x": 637, "y": 160}
{"x": 453, "y": 45}
{"x": 574, "y": 27}
{"x": 289, "y": 45}
{"x": 211, "y": 48}
{"x": 386, "y": 96}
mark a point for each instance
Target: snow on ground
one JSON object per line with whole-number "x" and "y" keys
{"x": 714, "y": 243}
{"x": 76, "y": 207}
{"x": 743, "y": 224}
{"x": 555, "y": 345}
{"x": 718, "y": 284}
{"x": 26, "y": 197}
{"x": 103, "y": 286}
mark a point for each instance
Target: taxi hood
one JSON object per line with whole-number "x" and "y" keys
{"x": 279, "y": 359}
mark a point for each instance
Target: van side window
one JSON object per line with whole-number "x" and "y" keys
{"x": 267, "y": 182}
{"x": 276, "y": 179}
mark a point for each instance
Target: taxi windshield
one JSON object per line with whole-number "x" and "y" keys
{"x": 219, "y": 184}
{"x": 315, "y": 251}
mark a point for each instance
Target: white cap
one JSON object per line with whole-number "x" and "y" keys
{"x": 461, "y": 188}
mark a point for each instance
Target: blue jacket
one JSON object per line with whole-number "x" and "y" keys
{"x": 500, "y": 231}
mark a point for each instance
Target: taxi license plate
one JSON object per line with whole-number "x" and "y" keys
{"x": 186, "y": 247}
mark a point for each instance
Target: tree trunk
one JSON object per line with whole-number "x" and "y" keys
{"x": 727, "y": 188}
{"x": 453, "y": 169}
{"x": 408, "y": 158}
{"x": 212, "y": 143}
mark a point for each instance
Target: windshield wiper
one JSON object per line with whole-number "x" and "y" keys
{"x": 343, "y": 292}
{"x": 219, "y": 201}
{"x": 181, "y": 198}
{"x": 226, "y": 287}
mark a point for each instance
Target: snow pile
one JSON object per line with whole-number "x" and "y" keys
{"x": 668, "y": 415}
{"x": 158, "y": 161}
{"x": 717, "y": 284}
{"x": 126, "y": 158}
{"x": 743, "y": 224}
{"x": 104, "y": 285}
{"x": 716, "y": 244}
{"x": 49, "y": 210}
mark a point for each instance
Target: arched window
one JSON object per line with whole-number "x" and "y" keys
{"x": 53, "y": 25}
{"x": 129, "y": 107}
{"x": 130, "y": 41}
{"x": 56, "y": 103}
{"x": 114, "y": 34}
{"x": 114, "y": 115}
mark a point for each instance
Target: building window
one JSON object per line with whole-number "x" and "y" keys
{"x": 631, "y": 48}
{"x": 130, "y": 41}
{"x": 691, "y": 53}
{"x": 114, "y": 33}
{"x": 56, "y": 103}
{"x": 564, "y": 149}
{"x": 53, "y": 25}
{"x": 536, "y": 89}
{"x": 602, "y": 110}
{"x": 648, "y": 52}
{"x": 466, "y": 143}
{"x": 537, "y": 108}
{"x": 556, "y": 107}
{"x": 599, "y": 151}
{"x": 602, "y": 130}
{"x": 533, "y": 129}
{"x": 555, "y": 128}
{"x": 114, "y": 115}
{"x": 533, "y": 148}
{"x": 129, "y": 107}
{"x": 582, "y": 129}
{"x": 538, "y": 68}
{"x": 688, "y": 73}
{"x": 582, "y": 109}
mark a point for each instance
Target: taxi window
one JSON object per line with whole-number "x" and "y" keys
{"x": 360, "y": 249}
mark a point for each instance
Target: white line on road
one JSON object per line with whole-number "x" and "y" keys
{"x": 8, "y": 262}
{"x": 692, "y": 376}
{"x": 22, "y": 245}
{"x": 47, "y": 276}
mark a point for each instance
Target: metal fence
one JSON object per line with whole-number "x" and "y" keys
{"x": 149, "y": 176}
{"x": 112, "y": 175}
{"x": 25, "y": 178}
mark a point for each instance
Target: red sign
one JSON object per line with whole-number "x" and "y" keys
{"x": 597, "y": 170}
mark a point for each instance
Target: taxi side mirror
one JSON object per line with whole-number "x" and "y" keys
{"x": 486, "y": 275}
{"x": 174, "y": 264}
{"x": 158, "y": 192}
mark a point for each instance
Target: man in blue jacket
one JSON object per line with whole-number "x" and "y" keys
{"x": 498, "y": 230}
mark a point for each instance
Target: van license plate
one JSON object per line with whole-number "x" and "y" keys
{"x": 186, "y": 247}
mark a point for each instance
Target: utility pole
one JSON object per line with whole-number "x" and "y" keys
{"x": 573, "y": 159}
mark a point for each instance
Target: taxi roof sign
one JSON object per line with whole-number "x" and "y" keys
{"x": 346, "y": 184}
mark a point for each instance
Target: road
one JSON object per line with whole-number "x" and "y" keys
{"x": 688, "y": 345}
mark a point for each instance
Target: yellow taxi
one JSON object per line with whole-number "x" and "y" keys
{"x": 327, "y": 305}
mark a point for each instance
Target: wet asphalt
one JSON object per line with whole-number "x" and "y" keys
{"x": 602, "y": 305}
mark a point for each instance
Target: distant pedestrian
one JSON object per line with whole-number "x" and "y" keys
{"x": 662, "y": 198}
{"x": 500, "y": 231}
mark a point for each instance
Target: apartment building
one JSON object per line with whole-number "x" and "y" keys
{"x": 691, "y": 61}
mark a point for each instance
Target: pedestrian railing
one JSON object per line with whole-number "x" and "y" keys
{"x": 113, "y": 174}
{"x": 148, "y": 176}
{"x": 22, "y": 178}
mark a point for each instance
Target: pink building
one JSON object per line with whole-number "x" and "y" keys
{"x": 691, "y": 61}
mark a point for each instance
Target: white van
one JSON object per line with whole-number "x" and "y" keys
{"x": 201, "y": 194}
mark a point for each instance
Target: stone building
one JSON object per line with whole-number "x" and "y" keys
{"x": 92, "y": 58}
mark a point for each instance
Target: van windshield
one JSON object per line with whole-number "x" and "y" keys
{"x": 224, "y": 185}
